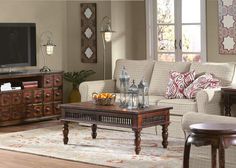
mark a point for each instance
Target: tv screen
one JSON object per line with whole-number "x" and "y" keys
{"x": 17, "y": 44}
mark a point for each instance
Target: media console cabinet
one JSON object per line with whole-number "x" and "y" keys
{"x": 32, "y": 104}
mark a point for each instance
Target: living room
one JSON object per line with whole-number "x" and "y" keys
{"x": 38, "y": 142}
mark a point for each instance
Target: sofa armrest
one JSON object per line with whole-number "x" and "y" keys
{"x": 209, "y": 101}
{"x": 87, "y": 88}
{"x": 194, "y": 118}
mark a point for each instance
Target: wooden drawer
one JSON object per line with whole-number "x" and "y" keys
{"x": 28, "y": 96}
{"x": 38, "y": 96}
{"x": 17, "y": 112}
{"x": 57, "y": 94}
{"x": 48, "y": 81}
{"x": 48, "y": 109}
{"x": 16, "y": 98}
{"x": 56, "y": 107}
{"x": 48, "y": 95}
{"x": 57, "y": 80}
{"x": 5, "y": 113}
{"x": 5, "y": 99}
{"x": 33, "y": 111}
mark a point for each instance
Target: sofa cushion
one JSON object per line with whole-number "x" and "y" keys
{"x": 135, "y": 68}
{"x": 177, "y": 83}
{"x": 222, "y": 71}
{"x": 180, "y": 106}
{"x": 160, "y": 75}
{"x": 153, "y": 100}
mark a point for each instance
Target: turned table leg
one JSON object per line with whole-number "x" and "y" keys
{"x": 164, "y": 135}
{"x": 221, "y": 154}
{"x": 187, "y": 148}
{"x": 94, "y": 131}
{"x": 137, "y": 140}
{"x": 227, "y": 104}
{"x": 213, "y": 156}
{"x": 65, "y": 132}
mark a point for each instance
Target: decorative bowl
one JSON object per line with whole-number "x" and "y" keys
{"x": 104, "y": 99}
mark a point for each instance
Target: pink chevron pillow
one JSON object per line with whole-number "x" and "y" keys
{"x": 206, "y": 81}
{"x": 177, "y": 83}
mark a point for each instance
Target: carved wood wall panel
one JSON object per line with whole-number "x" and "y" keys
{"x": 88, "y": 33}
{"x": 227, "y": 26}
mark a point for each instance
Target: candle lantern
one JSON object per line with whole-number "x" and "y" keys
{"x": 143, "y": 94}
{"x": 133, "y": 96}
{"x": 124, "y": 87}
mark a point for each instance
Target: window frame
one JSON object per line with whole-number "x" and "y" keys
{"x": 151, "y": 33}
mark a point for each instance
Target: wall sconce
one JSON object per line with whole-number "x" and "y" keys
{"x": 48, "y": 47}
{"x": 106, "y": 32}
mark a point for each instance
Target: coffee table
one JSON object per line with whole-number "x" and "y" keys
{"x": 136, "y": 119}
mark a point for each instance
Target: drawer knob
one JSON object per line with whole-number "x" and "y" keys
{"x": 38, "y": 110}
{"x": 47, "y": 109}
{"x": 58, "y": 94}
{"x": 47, "y": 81}
{"x": 27, "y": 97}
{"x": 38, "y": 96}
{"x": 57, "y": 80}
{"x": 47, "y": 95}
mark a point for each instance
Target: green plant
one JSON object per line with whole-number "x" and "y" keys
{"x": 77, "y": 78}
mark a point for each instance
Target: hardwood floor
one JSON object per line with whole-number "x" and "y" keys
{"x": 11, "y": 159}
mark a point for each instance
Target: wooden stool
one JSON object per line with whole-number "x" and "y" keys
{"x": 219, "y": 136}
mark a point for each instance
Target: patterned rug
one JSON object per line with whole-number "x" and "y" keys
{"x": 111, "y": 148}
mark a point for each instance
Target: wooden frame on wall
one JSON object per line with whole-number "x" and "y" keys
{"x": 88, "y": 33}
{"x": 227, "y": 26}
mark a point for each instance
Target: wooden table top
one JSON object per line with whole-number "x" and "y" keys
{"x": 113, "y": 108}
{"x": 213, "y": 128}
{"x": 229, "y": 89}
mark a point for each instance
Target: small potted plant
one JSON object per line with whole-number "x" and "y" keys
{"x": 76, "y": 78}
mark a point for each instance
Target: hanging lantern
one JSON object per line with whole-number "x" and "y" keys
{"x": 133, "y": 96}
{"x": 143, "y": 94}
{"x": 124, "y": 87}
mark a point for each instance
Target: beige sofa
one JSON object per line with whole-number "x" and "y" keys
{"x": 157, "y": 75}
{"x": 201, "y": 156}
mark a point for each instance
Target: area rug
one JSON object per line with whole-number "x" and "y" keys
{"x": 111, "y": 148}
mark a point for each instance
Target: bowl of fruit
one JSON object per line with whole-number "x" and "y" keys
{"x": 104, "y": 99}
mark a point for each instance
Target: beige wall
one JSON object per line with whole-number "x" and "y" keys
{"x": 62, "y": 18}
{"x": 128, "y": 20}
{"x": 74, "y": 42}
{"x": 212, "y": 35}
{"x": 74, "y": 37}
{"x": 46, "y": 19}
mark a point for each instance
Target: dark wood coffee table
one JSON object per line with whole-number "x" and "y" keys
{"x": 137, "y": 119}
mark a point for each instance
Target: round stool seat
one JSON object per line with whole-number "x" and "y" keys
{"x": 213, "y": 128}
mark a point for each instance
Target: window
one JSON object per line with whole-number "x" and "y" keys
{"x": 176, "y": 30}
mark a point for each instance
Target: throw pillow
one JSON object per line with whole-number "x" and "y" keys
{"x": 206, "y": 81}
{"x": 177, "y": 83}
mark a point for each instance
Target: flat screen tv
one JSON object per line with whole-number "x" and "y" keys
{"x": 17, "y": 44}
